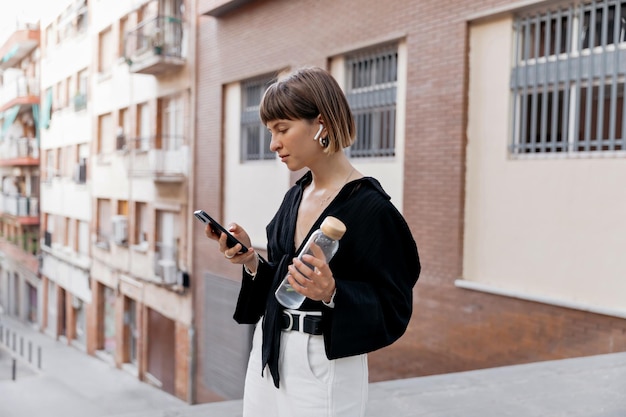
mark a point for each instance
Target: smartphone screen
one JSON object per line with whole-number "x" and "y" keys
{"x": 218, "y": 229}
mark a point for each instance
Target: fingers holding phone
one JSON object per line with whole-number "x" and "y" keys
{"x": 233, "y": 242}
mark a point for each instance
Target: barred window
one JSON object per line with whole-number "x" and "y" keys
{"x": 568, "y": 79}
{"x": 371, "y": 86}
{"x": 255, "y": 138}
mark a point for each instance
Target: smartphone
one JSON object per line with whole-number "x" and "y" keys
{"x": 218, "y": 229}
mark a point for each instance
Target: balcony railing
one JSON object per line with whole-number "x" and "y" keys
{"x": 18, "y": 88}
{"x": 18, "y": 148}
{"x": 19, "y": 206}
{"x": 155, "y": 46}
{"x": 163, "y": 158}
{"x": 80, "y": 101}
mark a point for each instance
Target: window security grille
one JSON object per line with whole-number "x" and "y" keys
{"x": 568, "y": 79}
{"x": 371, "y": 86}
{"x": 255, "y": 138}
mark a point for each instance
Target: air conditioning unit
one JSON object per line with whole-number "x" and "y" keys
{"x": 169, "y": 271}
{"x": 120, "y": 230}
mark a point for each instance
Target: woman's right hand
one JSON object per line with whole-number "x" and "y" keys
{"x": 248, "y": 258}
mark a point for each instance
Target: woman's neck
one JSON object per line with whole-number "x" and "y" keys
{"x": 332, "y": 173}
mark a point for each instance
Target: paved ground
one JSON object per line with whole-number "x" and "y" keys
{"x": 72, "y": 384}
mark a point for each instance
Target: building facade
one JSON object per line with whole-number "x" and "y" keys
{"x": 496, "y": 126}
{"x": 503, "y": 232}
{"x": 117, "y": 144}
{"x": 20, "y": 286}
{"x": 65, "y": 192}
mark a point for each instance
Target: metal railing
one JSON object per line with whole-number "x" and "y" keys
{"x": 18, "y": 148}
{"x": 158, "y": 156}
{"x": 22, "y": 86}
{"x": 21, "y": 347}
{"x": 20, "y": 206}
{"x": 162, "y": 35}
{"x": 80, "y": 101}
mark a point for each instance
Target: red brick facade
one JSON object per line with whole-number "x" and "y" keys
{"x": 452, "y": 329}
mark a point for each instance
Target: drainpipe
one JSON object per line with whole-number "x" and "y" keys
{"x": 192, "y": 59}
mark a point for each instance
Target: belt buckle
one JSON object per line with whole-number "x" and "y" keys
{"x": 300, "y": 315}
{"x": 290, "y": 325}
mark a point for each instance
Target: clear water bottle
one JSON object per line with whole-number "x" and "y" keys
{"x": 327, "y": 238}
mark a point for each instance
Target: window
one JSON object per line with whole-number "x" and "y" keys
{"x": 50, "y": 166}
{"x": 81, "y": 19}
{"x": 143, "y": 126}
{"x": 121, "y": 47}
{"x": 104, "y": 220}
{"x": 371, "y": 85}
{"x": 131, "y": 331}
{"x": 122, "y": 128}
{"x": 80, "y": 97}
{"x": 141, "y": 224}
{"x": 567, "y": 83}
{"x": 172, "y": 126}
{"x": 83, "y": 238}
{"x": 105, "y": 134}
{"x": 49, "y": 36}
{"x": 105, "y": 50}
{"x": 255, "y": 138}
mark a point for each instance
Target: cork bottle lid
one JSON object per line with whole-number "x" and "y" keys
{"x": 333, "y": 228}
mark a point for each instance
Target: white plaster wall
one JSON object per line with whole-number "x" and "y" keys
{"x": 549, "y": 228}
{"x": 252, "y": 190}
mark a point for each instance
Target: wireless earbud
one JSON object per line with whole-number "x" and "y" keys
{"x": 323, "y": 141}
{"x": 319, "y": 132}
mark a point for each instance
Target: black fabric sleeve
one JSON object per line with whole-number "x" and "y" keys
{"x": 374, "y": 279}
{"x": 253, "y": 294}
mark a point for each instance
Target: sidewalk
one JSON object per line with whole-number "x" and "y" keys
{"x": 70, "y": 383}
{"x": 73, "y": 384}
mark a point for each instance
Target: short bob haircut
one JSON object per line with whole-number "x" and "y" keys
{"x": 303, "y": 95}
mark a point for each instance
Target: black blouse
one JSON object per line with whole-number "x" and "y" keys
{"x": 375, "y": 269}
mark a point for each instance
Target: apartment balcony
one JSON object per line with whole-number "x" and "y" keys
{"x": 155, "y": 46}
{"x": 20, "y": 152}
{"x": 162, "y": 158}
{"x": 21, "y": 91}
{"x": 21, "y": 43}
{"x": 24, "y": 208}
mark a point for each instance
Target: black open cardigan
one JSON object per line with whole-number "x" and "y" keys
{"x": 375, "y": 269}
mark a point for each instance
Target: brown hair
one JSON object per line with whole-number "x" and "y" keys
{"x": 305, "y": 94}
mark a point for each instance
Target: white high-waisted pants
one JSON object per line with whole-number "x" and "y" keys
{"x": 310, "y": 384}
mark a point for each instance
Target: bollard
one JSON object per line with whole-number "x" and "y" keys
{"x": 21, "y": 346}
{"x": 13, "y": 341}
{"x": 39, "y": 357}
{"x": 1, "y": 334}
{"x": 14, "y": 370}
{"x": 30, "y": 352}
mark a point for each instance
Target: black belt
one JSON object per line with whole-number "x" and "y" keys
{"x": 294, "y": 321}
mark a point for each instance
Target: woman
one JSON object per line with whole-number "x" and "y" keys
{"x": 313, "y": 362}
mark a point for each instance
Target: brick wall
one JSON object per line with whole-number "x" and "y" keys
{"x": 452, "y": 329}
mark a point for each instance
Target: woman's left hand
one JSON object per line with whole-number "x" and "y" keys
{"x": 317, "y": 283}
